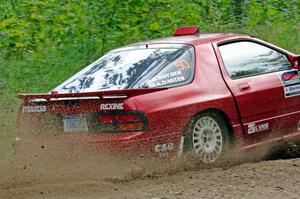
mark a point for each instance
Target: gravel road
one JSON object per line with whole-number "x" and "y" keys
{"x": 92, "y": 176}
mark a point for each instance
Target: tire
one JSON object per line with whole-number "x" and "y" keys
{"x": 207, "y": 137}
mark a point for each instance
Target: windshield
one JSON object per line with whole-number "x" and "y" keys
{"x": 144, "y": 66}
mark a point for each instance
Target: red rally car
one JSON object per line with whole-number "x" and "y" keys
{"x": 202, "y": 92}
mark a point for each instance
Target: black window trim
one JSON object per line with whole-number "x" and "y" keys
{"x": 222, "y": 43}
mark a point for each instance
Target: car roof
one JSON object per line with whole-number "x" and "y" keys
{"x": 196, "y": 39}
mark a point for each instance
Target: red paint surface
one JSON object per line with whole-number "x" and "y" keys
{"x": 257, "y": 99}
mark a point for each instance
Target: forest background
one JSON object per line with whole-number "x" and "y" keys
{"x": 42, "y": 42}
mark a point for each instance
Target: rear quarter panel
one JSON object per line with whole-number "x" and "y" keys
{"x": 169, "y": 111}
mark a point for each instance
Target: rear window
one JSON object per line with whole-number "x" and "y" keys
{"x": 145, "y": 66}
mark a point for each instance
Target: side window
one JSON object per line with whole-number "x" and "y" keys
{"x": 244, "y": 58}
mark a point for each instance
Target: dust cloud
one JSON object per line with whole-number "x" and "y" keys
{"x": 61, "y": 171}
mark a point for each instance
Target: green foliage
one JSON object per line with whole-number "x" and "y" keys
{"x": 42, "y": 42}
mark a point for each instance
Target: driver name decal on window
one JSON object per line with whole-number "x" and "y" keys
{"x": 168, "y": 78}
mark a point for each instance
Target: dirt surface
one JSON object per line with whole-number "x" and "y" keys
{"x": 94, "y": 176}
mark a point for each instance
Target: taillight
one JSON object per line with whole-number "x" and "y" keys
{"x": 105, "y": 119}
{"x": 131, "y": 126}
{"x": 122, "y": 121}
{"x": 118, "y": 118}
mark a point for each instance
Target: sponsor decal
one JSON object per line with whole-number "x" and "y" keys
{"x": 34, "y": 109}
{"x": 168, "y": 78}
{"x": 163, "y": 149}
{"x": 253, "y": 128}
{"x": 182, "y": 65}
{"x": 292, "y": 90}
{"x": 298, "y": 128}
{"x": 291, "y": 83}
{"x": 112, "y": 106}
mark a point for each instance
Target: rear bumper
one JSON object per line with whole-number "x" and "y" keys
{"x": 137, "y": 142}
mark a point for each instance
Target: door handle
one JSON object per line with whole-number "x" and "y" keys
{"x": 244, "y": 86}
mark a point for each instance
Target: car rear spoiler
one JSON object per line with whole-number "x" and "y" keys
{"x": 110, "y": 94}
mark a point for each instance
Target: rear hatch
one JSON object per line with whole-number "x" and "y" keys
{"x": 98, "y": 99}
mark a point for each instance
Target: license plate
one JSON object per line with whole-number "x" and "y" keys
{"x": 75, "y": 123}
